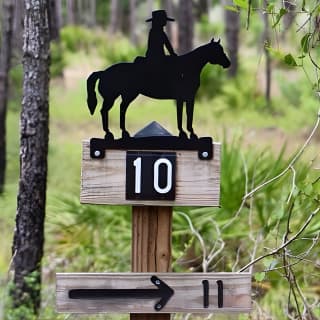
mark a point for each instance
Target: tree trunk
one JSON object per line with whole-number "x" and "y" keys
{"x": 5, "y": 57}
{"x": 232, "y": 30}
{"x": 125, "y": 17}
{"x": 168, "y": 6}
{"x": 289, "y": 17}
{"x": 19, "y": 12}
{"x": 71, "y": 12}
{"x": 150, "y": 6}
{"x": 54, "y": 22}
{"x": 266, "y": 41}
{"x": 80, "y": 12}
{"x": 93, "y": 10}
{"x": 186, "y": 26}
{"x": 60, "y": 22}
{"x": 29, "y": 232}
{"x": 133, "y": 22}
{"x": 114, "y": 17}
{"x": 202, "y": 8}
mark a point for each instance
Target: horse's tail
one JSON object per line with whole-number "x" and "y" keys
{"x": 91, "y": 94}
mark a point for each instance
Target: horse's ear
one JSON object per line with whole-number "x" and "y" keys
{"x": 219, "y": 41}
{"x": 212, "y": 40}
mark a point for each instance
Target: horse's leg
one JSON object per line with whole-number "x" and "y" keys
{"x": 190, "y": 107}
{"x": 106, "y": 106}
{"x": 126, "y": 100}
{"x": 182, "y": 134}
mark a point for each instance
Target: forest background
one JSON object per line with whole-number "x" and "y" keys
{"x": 264, "y": 110}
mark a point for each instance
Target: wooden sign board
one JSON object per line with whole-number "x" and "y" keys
{"x": 196, "y": 182}
{"x": 153, "y": 292}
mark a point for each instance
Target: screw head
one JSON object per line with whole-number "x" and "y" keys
{"x": 205, "y": 154}
{"x": 157, "y": 282}
{"x": 158, "y": 306}
{"x": 97, "y": 153}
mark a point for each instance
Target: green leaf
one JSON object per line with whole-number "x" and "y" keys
{"x": 281, "y": 13}
{"x": 231, "y": 8}
{"x": 289, "y": 60}
{"x": 277, "y": 54}
{"x": 267, "y": 262}
{"x": 308, "y": 189}
{"x": 241, "y": 3}
{"x": 305, "y": 43}
{"x": 270, "y": 263}
{"x": 270, "y": 8}
{"x": 259, "y": 276}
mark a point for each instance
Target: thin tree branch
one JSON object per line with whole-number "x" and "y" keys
{"x": 285, "y": 244}
{"x": 202, "y": 243}
{"x": 245, "y": 169}
{"x": 293, "y": 183}
{"x": 292, "y": 162}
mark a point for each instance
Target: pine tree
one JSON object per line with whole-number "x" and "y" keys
{"x": 29, "y": 232}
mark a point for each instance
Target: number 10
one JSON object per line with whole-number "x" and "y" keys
{"x": 156, "y": 167}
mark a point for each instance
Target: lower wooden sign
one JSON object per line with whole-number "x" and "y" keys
{"x": 153, "y": 292}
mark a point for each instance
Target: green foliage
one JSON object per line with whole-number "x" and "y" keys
{"x": 15, "y": 86}
{"x": 279, "y": 16}
{"x": 208, "y": 30}
{"x": 112, "y": 48}
{"x": 87, "y": 235}
{"x": 240, "y": 93}
{"x": 241, "y": 3}
{"x": 20, "y": 313}
{"x": 305, "y": 42}
{"x": 98, "y": 238}
{"x": 290, "y": 60}
{"x": 266, "y": 214}
{"x": 75, "y": 38}
{"x": 119, "y": 49}
{"x": 57, "y": 59}
{"x": 213, "y": 79}
{"x": 259, "y": 276}
{"x": 25, "y": 310}
{"x": 284, "y": 59}
{"x": 102, "y": 12}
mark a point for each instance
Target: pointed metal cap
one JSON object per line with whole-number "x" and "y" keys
{"x": 153, "y": 129}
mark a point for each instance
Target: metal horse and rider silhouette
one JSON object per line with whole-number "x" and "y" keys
{"x": 156, "y": 75}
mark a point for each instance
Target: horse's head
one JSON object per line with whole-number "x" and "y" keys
{"x": 216, "y": 54}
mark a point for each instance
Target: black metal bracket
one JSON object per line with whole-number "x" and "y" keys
{"x": 164, "y": 292}
{"x": 202, "y": 145}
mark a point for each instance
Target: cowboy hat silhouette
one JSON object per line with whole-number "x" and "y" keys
{"x": 159, "y": 15}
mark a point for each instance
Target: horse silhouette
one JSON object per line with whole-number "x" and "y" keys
{"x": 176, "y": 78}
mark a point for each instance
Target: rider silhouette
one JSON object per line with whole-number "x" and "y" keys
{"x": 158, "y": 39}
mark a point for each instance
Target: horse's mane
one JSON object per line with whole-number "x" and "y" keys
{"x": 197, "y": 52}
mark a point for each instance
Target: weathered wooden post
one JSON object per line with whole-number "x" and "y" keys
{"x": 152, "y": 171}
{"x": 151, "y": 245}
